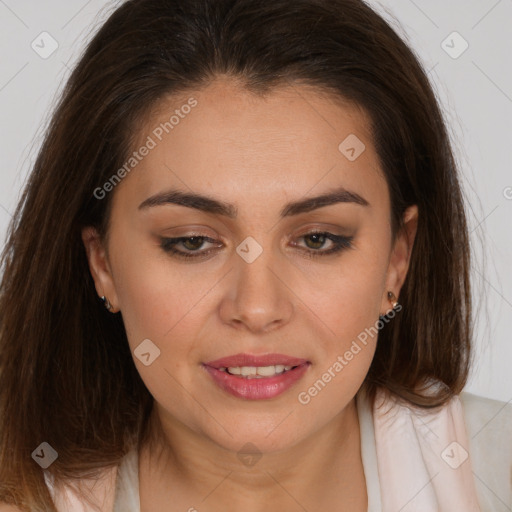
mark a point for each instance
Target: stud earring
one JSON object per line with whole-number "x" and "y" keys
{"x": 106, "y": 302}
{"x": 392, "y": 299}
{"x": 394, "y": 303}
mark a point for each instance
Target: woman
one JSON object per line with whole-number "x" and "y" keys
{"x": 238, "y": 277}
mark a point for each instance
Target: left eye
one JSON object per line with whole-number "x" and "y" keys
{"x": 192, "y": 244}
{"x": 338, "y": 243}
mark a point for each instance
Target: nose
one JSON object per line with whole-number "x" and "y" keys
{"x": 257, "y": 296}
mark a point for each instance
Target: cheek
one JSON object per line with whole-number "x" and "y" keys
{"x": 159, "y": 304}
{"x": 349, "y": 305}
{"x": 153, "y": 293}
{"x": 331, "y": 387}
{"x": 348, "y": 351}
{"x": 347, "y": 298}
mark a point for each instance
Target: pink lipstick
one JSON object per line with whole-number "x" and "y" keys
{"x": 256, "y": 377}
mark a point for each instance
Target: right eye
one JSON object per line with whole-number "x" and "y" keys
{"x": 191, "y": 243}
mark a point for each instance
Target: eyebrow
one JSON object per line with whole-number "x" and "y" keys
{"x": 216, "y": 207}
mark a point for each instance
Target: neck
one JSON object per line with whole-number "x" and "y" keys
{"x": 323, "y": 468}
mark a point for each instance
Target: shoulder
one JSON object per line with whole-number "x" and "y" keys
{"x": 489, "y": 428}
{"x": 487, "y": 418}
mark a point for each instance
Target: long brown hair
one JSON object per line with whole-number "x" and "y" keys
{"x": 67, "y": 376}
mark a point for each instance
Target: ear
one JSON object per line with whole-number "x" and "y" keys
{"x": 99, "y": 266}
{"x": 400, "y": 257}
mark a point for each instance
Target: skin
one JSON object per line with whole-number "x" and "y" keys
{"x": 257, "y": 154}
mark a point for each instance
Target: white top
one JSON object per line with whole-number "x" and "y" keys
{"x": 453, "y": 460}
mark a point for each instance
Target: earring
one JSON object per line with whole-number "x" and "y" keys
{"x": 394, "y": 303}
{"x": 106, "y": 302}
{"x": 392, "y": 299}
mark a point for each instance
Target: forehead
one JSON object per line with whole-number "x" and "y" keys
{"x": 234, "y": 142}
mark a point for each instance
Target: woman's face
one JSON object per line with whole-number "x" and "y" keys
{"x": 258, "y": 286}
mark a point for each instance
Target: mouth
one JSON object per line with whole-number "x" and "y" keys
{"x": 256, "y": 377}
{"x": 257, "y": 372}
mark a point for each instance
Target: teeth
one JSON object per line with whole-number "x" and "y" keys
{"x": 247, "y": 370}
{"x": 257, "y": 372}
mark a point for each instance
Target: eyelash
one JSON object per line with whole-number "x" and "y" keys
{"x": 340, "y": 243}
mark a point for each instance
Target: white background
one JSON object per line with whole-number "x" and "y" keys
{"x": 475, "y": 90}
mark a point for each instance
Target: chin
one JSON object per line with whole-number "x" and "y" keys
{"x": 262, "y": 435}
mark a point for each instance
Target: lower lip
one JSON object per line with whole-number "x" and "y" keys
{"x": 257, "y": 389}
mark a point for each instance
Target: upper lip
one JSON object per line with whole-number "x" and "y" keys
{"x": 239, "y": 360}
